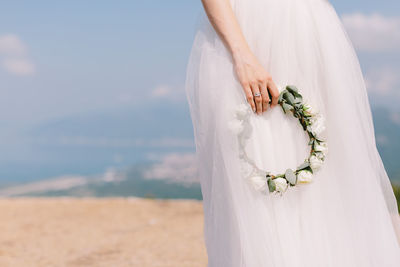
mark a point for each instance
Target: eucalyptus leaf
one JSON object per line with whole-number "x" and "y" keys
{"x": 290, "y": 98}
{"x": 285, "y": 94}
{"x": 286, "y": 107}
{"x": 303, "y": 166}
{"x": 297, "y": 95}
{"x": 271, "y": 185}
{"x": 280, "y": 97}
{"x": 291, "y": 88}
{"x": 290, "y": 176}
{"x": 309, "y": 169}
{"x": 297, "y": 100}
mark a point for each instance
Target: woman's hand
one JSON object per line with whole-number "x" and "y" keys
{"x": 254, "y": 80}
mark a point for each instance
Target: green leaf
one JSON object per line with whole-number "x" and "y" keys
{"x": 286, "y": 107}
{"x": 297, "y": 101}
{"x": 290, "y": 98}
{"x": 285, "y": 95}
{"x": 297, "y": 95}
{"x": 280, "y": 97}
{"x": 291, "y": 88}
{"x": 271, "y": 185}
{"x": 298, "y": 107}
{"x": 308, "y": 169}
{"x": 290, "y": 176}
{"x": 303, "y": 166}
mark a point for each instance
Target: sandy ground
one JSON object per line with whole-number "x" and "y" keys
{"x": 101, "y": 232}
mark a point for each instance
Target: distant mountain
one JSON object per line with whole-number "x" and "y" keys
{"x": 157, "y": 180}
{"x": 139, "y": 131}
{"x": 90, "y": 143}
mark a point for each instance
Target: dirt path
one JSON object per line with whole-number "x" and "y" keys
{"x": 101, "y": 232}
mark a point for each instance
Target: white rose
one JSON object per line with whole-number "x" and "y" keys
{"x": 236, "y": 126}
{"x": 280, "y": 184}
{"x": 320, "y": 155}
{"x": 259, "y": 182}
{"x": 315, "y": 163}
{"x": 317, "y": 125}
{"x": 321, "y": 147}
{"x": 304, "y": 177}
{"x": 243, "y": 111}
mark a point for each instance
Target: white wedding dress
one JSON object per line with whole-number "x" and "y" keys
{"x": 347, "y": 217}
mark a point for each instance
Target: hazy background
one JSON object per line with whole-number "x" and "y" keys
{"x": 92, "y": 98}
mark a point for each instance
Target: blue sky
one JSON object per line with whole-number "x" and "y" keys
{"x": 67, "y": 58}
{"x": 94, "y": 54}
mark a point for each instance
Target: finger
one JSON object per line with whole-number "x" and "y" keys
{"x": 257, "y": 99}
{"x": 264, "y": 96}
{"x": 249, "y": 97}
{"x": 274, "y": 92}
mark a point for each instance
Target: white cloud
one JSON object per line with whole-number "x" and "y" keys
{"x": 373, "y": 33}
{"x": 161, "y": 91}
{"x": 13, "y": 54}
{"x": 11, "y": 45}
{"x": 174, "y": 93}
{"x": 20, "y": 67}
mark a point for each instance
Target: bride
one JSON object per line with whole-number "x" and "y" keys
{"x": 243, "y": 53}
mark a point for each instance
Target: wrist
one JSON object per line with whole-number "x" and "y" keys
{"x": 240, "y": 52}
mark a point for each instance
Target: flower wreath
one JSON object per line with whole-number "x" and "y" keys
{"x": 312, "y": 122}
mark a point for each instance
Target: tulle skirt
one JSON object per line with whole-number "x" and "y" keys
{"x": 348, "y": 215}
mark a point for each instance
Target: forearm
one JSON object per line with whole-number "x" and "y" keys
{"x": 250, "y": 73}
{"x": 224, "y": 21}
